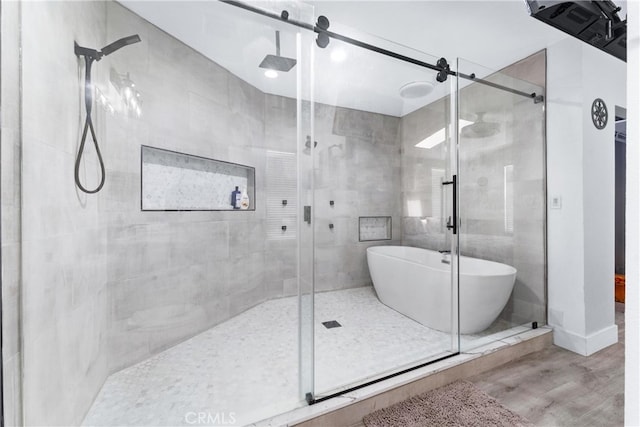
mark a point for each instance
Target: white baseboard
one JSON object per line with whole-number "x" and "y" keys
{"x": 585, "y": 345}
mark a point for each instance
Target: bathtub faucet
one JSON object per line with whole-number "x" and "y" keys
{"x": 446, "y": 257}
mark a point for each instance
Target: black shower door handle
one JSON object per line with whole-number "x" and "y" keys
{"x": 307, "y": 214}
{"x": 452, "y": 223}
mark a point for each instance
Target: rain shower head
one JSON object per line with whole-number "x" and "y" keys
{"x": 277, "y": 62}
{"x": 118, "y": 44}
{"x": 480, "y": 129}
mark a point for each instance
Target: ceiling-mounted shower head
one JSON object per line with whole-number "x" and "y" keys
{"x": 277, "y": 62}
{"x": 480, "y": 128}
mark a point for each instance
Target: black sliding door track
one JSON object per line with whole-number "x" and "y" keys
{"x": 313, "y": 401}
{"x": 284, "y": 17}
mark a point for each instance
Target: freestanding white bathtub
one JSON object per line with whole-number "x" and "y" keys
{"x": 416, "y": 283}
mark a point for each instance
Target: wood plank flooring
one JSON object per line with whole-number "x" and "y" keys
{"x": 556, "y": 387}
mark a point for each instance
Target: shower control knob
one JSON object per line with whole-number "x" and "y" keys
{"x": 330, "y": 226}
{"x": 284, "y": 228}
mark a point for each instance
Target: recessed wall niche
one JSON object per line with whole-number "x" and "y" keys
{"x": 173, "y": 181}
{"x": 373, "y": 228}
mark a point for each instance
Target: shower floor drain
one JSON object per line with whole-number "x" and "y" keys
{"x": 331, "y": 324}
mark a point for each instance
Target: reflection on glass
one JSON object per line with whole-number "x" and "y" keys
{"x": 508, "y": 199}
{"x": 501, "y": 181}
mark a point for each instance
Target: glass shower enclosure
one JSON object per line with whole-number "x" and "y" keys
{"x": 288, "y": 213}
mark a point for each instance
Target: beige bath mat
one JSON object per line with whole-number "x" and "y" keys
{"x": 457, "y": 404}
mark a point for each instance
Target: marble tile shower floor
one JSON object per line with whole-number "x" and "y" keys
{"x": 246, "y": 369}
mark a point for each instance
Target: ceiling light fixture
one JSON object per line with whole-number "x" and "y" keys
{"x": 272, "y": 74}
{"x": 416, "y": 89}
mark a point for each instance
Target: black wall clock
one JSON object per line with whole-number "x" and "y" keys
{"x": 599, "y": 113}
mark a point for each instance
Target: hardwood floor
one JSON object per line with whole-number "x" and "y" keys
{"x": 556, "y": 387}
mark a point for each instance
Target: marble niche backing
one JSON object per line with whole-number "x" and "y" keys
{"x": 177, "y": 181}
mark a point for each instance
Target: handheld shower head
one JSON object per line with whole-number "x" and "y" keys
{"x": 118, "y": 44}
{"x": 91, "y": 55}
{"x": 96, "y": 55}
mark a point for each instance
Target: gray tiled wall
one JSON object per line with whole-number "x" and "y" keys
{"x": 171, "y": 274}
{"x": 10, "y": 228}
{"x": 64, "y": 235}
{"x": 174, "y": 274}
{"x": 357, "y": 165}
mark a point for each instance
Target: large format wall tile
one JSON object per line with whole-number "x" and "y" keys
{"x": 10, "y": 227}
{"x": 201, "y": 268}
{"x": 64, "y": 264}
{"x": 357, "y": 166}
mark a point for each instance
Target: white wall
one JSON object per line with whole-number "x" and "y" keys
{"x": 580, "y": 171}
{"x": 603, "y": 77}
{"x": 565, "y": 248}
{"x": 632, "y": 302}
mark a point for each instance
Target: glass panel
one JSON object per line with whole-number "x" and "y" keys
{"x": 306, "y": 246}
{"x": 158, "y": 318}
{"x": 383, "y": 133}
{"x": 502, "y": 200}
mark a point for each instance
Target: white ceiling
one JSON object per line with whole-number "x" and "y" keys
{"x": 492, "y": 33}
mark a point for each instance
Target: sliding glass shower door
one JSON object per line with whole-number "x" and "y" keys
{"x": 382, "y": 153}
{"x": 501, "y": 199}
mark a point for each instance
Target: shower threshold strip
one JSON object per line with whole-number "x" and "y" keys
{"x": 312, "y": 401}
{"x": 442, "y": 67}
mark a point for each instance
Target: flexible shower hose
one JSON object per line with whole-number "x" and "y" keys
{"x": 88, "y": 125}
